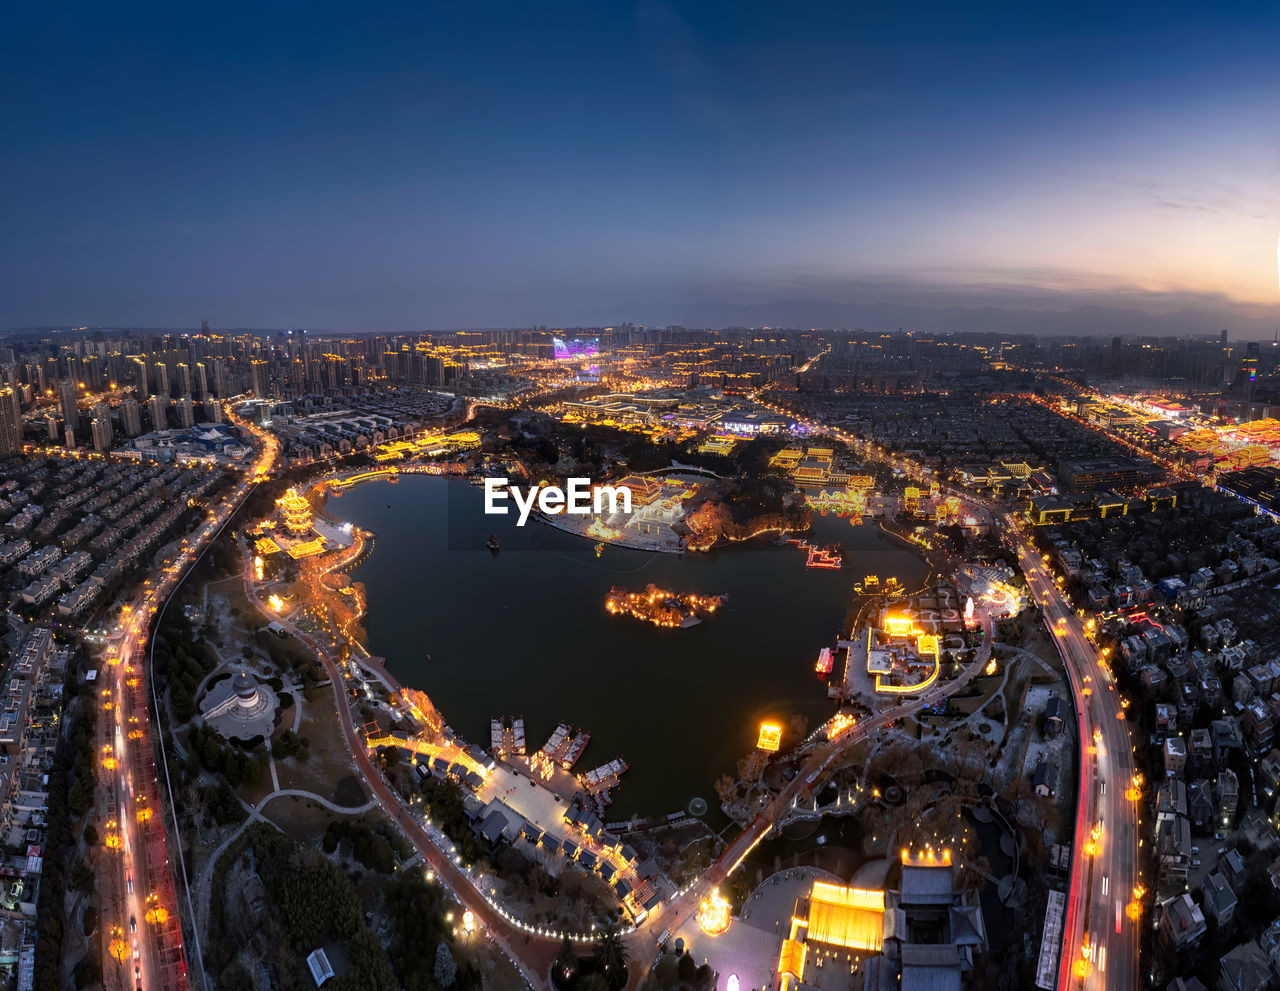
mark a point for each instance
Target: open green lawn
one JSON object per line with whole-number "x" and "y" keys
{"x": 329, "y": 760}
{"x": 306, "y": 821}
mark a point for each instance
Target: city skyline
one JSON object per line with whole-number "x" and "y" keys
{"x": 652, "y": 496}
{"x": 401, "y": 169}
{"x": 964, "y": 621}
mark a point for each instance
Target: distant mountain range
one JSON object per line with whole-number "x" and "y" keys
{"x": 1076, "y": 321}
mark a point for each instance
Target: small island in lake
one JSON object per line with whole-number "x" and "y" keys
{"x": 661, "y": 607}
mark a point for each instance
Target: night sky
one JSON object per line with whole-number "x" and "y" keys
{"x": 363, "y": 166}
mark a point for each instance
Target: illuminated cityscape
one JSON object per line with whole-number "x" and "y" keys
{"x": 1060, "y": 707}
{"x": 918, "y": 368}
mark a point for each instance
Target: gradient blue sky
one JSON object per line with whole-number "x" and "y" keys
{"x": 380, "y": 166}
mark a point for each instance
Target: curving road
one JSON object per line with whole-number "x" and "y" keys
{"x": 533, "y": 955}
{"x": 1100, "y": 943}
{"x": 140, "y": 904}
{"x": 141, "y": 879}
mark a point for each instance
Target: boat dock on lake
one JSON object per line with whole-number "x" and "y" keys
{"x": 599, "y": 780}
{"x": 506, "y": 739}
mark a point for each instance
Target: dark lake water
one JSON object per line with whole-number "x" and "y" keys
{"x": 525, "y": 632}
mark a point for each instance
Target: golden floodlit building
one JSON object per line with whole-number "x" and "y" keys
{"x": 920, "y": 936}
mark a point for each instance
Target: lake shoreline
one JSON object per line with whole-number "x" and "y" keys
{"x": 523, "y": 631}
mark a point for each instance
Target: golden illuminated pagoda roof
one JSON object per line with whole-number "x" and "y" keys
{"x": 292, "y": 502}
{"x": 296, "y": 511}
{"x": 306, "y": 548}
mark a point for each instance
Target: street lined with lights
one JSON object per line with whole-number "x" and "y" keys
{"x": 1106, "y": 830}
{"x": 142, "y": 877}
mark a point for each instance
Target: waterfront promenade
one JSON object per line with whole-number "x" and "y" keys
{"x": 577, "y": 525}
{"x": 531, "y": 955}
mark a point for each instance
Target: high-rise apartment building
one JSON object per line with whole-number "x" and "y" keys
{"x": 131, "y": 416}
{"x": 21, "y": 394}
{"x": 140, "y": 377}
{"x": 100, "y": 429}
{"x": 10, "y": 422}
{"x": 70, "y": 412}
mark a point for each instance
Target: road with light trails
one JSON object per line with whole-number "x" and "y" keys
{"x": 1100, "y": 943}
{"x": 141, "y": 878}
{"x": 140, "y": 903}
{"x": 143, "y": 885}
{"x": 135, "y": 952}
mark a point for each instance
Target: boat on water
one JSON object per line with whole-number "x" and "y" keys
{"x": 492, "y": 543}
{"x": 576, "y": 746}
{"x": 556, "y": 744}
{"x": 825, "y": 660}
{"x": 599, "y": 549}
{"x": 600, "y": 779}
